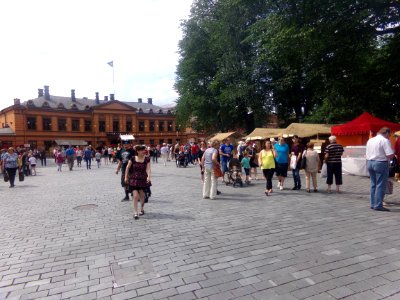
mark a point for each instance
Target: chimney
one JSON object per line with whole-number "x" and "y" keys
{"x": 105, "y": 98}
{"x": 150, "y": 100}
{"x": 17, "y": 101}
{"x": 40, "y": 93}
{"x": 46, "y": 92}
{"x": 97, "y": 101}
{"x": 112, "y": 97}
{"x": 73, "y": 96}
{"x": 139, "y": 100}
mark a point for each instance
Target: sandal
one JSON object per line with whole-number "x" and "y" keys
{"x": 135, "y": 216}
{"x": 328, "y": 191}
{"x": 141, "y": 213}
{"x": 266, "y": 194}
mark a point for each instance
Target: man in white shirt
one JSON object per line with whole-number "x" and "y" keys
{"x": 379, "y": 152}
{"x": 164, "y": 153}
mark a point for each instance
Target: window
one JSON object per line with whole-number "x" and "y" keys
{"x": 46, "y": 124}
{"x": 161, "y": 141}
{"x": 115, "y": 125}
{"x": 48, "y": 145}
{"x": 141, "y": 126}
{"x": 62, "y": 124}
{"x": 170, "y": 141}
{"x": 31, "y": 123}
{"x": 170, "y": 126}
{"x": 161, "y": 125}
{"x": 141, "y": 142}
{"x": 33, "y": 144}
{"x": 88, "y": 125}
{"x": 128, "y": 126}
{"x": 152, "y": 142}
{"x": 75, "y": 125}
{"x": 102, "y": 126}
{"x": 152, "y": 126}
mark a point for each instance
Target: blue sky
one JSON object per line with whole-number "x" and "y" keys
{"x": 67, "y": 44}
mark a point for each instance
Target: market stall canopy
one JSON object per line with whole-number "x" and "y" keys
{"x": 71, "y": 142}
{"x": 223, "y": 135}
{"x": 397, "y": 133}
{"x": 127, "y": 137}
{"x": 263, "y": 133}
{"x": 364, "y": 124}
{"x": 6, "y": 131}
{"x": 304, "y": 130}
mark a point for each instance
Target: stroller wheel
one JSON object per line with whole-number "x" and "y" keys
{"x": 241, "y": 184}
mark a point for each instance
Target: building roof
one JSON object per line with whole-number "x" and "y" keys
{"x": 83, "y": 104}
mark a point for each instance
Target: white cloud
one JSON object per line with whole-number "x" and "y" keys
{"x": 67, "y": 44}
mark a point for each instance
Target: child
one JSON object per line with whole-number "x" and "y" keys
{"x": 246, "y": 165}
{"x": 98, "y": 158}
{"x": 59, "y": 160}
{"x": 32, "y": 162}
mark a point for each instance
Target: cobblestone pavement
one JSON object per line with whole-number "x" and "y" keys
{"x": 68, "y": 236}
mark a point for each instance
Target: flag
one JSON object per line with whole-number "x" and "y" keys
{"x": 111, "y": 63}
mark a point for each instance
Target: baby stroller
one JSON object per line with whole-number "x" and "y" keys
{"x": 234, "y": 176}
{"x": 181, "y": 160}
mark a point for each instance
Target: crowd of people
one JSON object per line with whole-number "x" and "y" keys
{"x": 274, "y": 158}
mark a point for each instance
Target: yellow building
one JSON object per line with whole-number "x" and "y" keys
{"x": 50, "y": 120}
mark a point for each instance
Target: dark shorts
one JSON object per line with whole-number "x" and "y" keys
{"x": 281, "y": 169}
{"x": 247, "y": 171}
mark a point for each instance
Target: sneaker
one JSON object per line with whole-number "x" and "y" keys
{"x": 280, "y": 187}
{"x": 125, "y": 199}
{"x": 294, "y": 188}
{"x": 218, "y": 192}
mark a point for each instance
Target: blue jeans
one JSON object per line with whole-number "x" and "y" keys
{"x": 224, "y": 165}
{"x": 379, "y": 173}
{"x": 296, "y": 177}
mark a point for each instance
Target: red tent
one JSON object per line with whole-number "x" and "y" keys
{"x": 357, "y": 131}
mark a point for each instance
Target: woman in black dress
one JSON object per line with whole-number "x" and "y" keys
{"x": 137, "y": 176}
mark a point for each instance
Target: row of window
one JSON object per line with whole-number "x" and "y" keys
{"x": 31, "y": 124}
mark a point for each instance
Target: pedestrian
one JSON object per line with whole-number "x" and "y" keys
{"x": 10, "y": 163}
{"x": 123, "y": 157}
{"x": 333, "y": 160}
{"x": 98, "y": 158}
{"x": 32, "y": 162}
{"x": 209, "y": 162}
{"x": 87, "y": 156}
{"x": 252, "y": 151}
{"x": 225, "y": 152}
{"x": 282, "y": 161}
{"x": 79, "y": 155}
{"x": 266, "y": 161}
{"x": 43, "y": 157}
{"x": 202, "y": 149}
{"x": 109, "y": 151}
{"x": 59, "y": 160}
{"x": 312, "y": 166}
{"x": 379, "y": 153}
{"x": 105, "y": 155}
{"x": 70, "y": 154}
{"x": 138, "y": 176}
{"x": 246, "y": 166}
{"x": 397, "y": 154}
{"x": 164, "y": 153}
{"x": 296, "y": 151}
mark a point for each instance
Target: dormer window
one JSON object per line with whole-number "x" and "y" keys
{"x": 60, "y": 106}
{"x": 30, "y": 103}
{"x": 87, "y": 107}
{"x": 168, "y": 112}
{"x": 150, "y": 111}
{"x": 140, "y": 110}
{"x": 73, "y": 106}
{"x": 45, "y": 104}
{"x": 160, "y": 111}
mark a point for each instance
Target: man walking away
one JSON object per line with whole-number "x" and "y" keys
{"x": 123, "y": 157}
{"x": 70, "y": 153}
{"x": 379, "y": 153}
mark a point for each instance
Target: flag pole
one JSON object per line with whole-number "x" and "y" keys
{"x": 111, "y": 64}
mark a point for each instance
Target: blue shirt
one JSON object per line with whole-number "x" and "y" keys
{"x": 70, "y": 152}
{"x": 227, "y": 149}
{"x": 283, "y": 152}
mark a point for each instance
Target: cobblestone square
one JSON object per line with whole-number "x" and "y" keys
{"x": 243, "y": 245}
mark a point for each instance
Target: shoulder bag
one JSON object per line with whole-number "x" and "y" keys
{"x": 303, "y": 163}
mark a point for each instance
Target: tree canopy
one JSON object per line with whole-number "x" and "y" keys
{"x": 313, "y": 60}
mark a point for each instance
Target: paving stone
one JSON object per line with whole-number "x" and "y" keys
{"x": 293, "y": 246}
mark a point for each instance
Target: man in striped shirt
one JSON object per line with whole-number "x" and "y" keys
{"x": 333, "y": 159}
